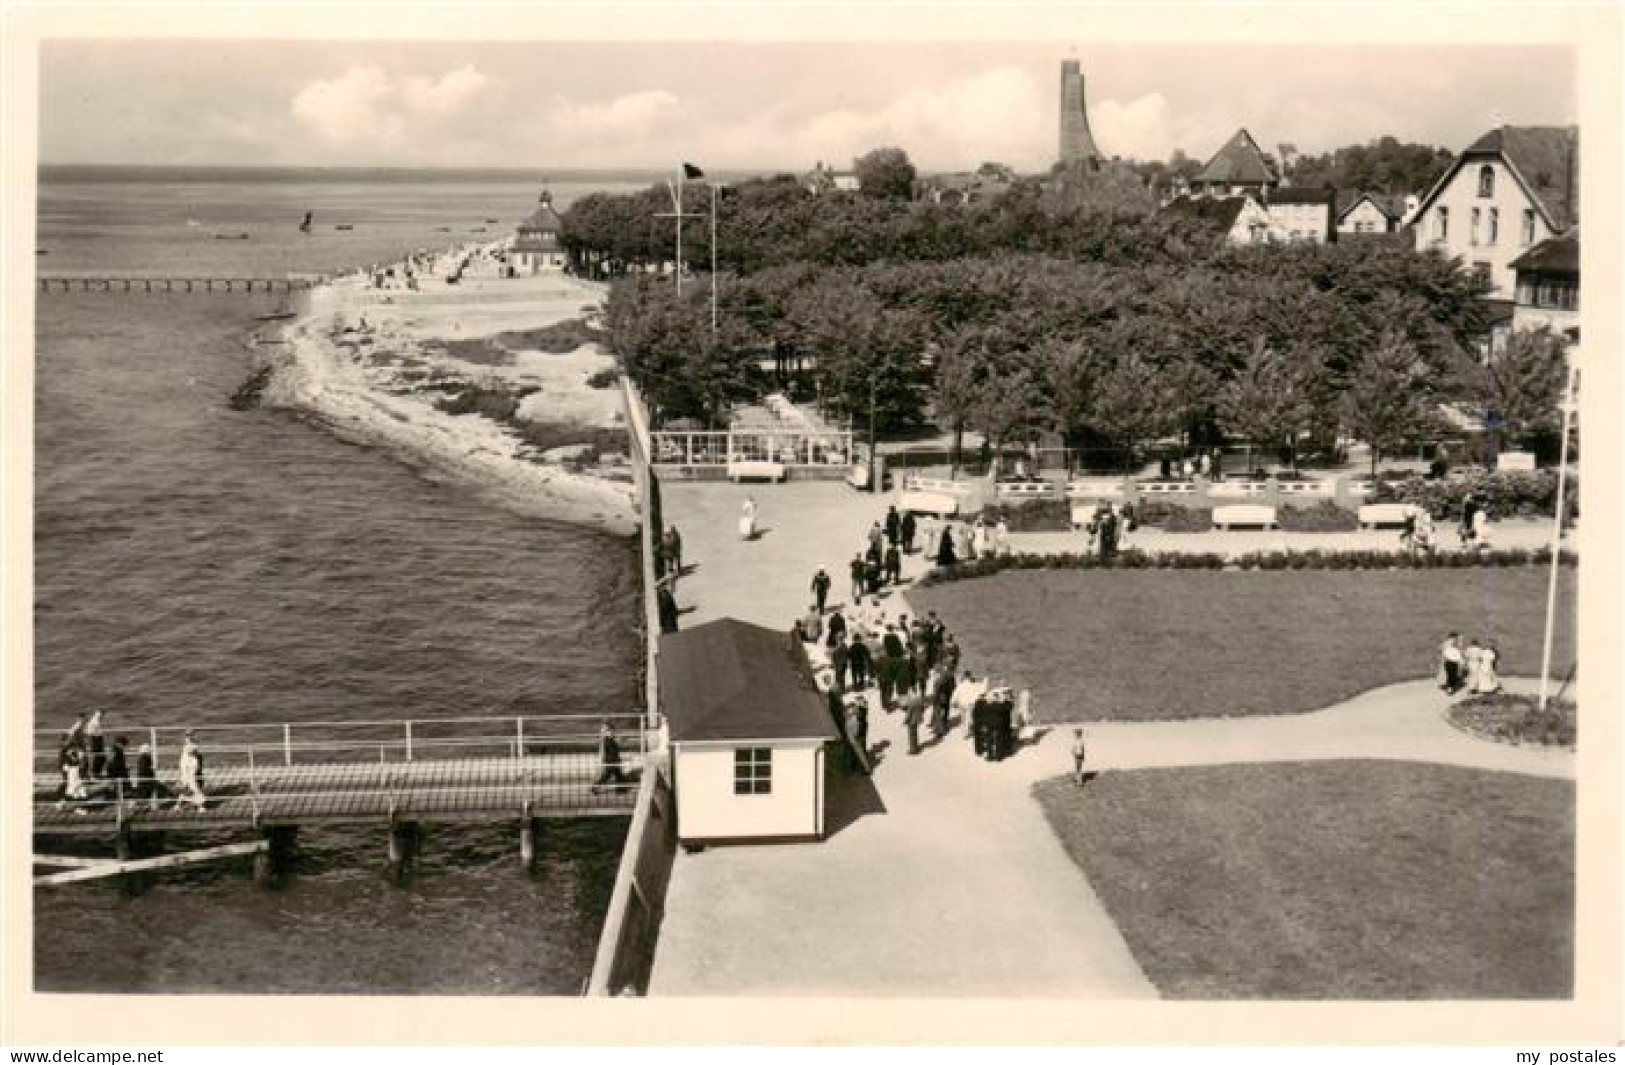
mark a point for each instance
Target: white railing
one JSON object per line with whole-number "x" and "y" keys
{"x": 791, "y": 447}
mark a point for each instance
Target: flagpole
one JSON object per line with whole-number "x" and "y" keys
{"x": 679, "y": 213}
{"x": 713, "y": 261}
{"x": 1557, "y": 536}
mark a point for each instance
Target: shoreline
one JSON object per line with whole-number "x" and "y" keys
{"x": 377, "y": 366}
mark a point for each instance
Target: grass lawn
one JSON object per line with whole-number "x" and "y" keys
{"x": 1389, "y": 880}
{"x": 1136, "y": 645}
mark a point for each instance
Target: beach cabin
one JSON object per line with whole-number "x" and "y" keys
{"x": 537, "y": 247}
{"x": 747, "y": 728}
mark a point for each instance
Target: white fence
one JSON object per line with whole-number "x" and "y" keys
{"x": 722, "y": 448}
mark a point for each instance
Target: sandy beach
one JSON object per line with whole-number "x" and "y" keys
{"x": 484, "y": 382}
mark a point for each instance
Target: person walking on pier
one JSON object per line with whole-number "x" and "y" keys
{"x": 856, "y": 568}
{"x": 95, "y": 745}
{"x": 946, "y": 556}
{"x": 145, "y": 784}
{"x": 117, "y": 768}
{"x": 820, "y": 588}
{"x": 858, "y": 661}
{"x": 72, "y": 763}
{"x": 894, "y": 526}
{"x": 838, "y": 656}
{"x": 191, "y": 771}
{"x": 908, "y": 529}
{"x": 609, "y": 760}
{"x": 913, "y": 714}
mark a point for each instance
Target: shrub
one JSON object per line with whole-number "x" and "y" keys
{"x": 1509, "y": 494}
{"x": 1324, "y": 516}
{"x": 1174, "y": 517}
{"x": 608, "y": 377}
{"x": 1517, "y": 719}
{"x": 1033, "y": 515}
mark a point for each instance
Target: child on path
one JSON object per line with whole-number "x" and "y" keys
{"x": 1079, "y": 753}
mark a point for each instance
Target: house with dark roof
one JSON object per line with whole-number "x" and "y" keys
{"x": 1240, "y": 219}
{"x": 536, "y": 245}
{"x": 1511, "y": 189}
{"x": 1240, "y": 166}
{"x": 747, "y": 729}
{"x": 1548, "y": 286}
{"x": 1366, "y": 214}
{"x": 1302, "y": 215}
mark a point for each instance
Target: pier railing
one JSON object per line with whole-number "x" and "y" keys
{"x": 353, "y": 770}
{"x": 137, "y": 283}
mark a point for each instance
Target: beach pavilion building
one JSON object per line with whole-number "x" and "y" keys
{"x": 747, "y": 728}
{"x": 537, "y": 246}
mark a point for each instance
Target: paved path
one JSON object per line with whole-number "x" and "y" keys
{"x": 940, "y": 876}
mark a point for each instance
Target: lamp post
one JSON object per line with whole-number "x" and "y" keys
{"x": 1557, "y": 535}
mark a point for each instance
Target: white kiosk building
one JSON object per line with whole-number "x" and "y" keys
{"x": 747, "y": 729}
{"x": 537, "y": 246}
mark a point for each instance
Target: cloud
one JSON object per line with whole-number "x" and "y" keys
{"x": 366, "y": 107}
{"x": 997, "y": 114}
{"x": 451, "y": 93}
{"x": 636, "y": 114}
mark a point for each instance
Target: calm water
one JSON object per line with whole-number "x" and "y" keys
{"x": 199, "y": 565}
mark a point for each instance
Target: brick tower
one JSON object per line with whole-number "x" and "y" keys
{"x": 1077, "y": 143}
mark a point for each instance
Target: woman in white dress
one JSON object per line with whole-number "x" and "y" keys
{"x": 1481, "y": 528}
{"x": 1001, "y": 537}
{"x": 747, "y": 519}
{"x": 1489, "y": 680}
{"x": 1472, "y": 665}
{"x": 191, "y": 766}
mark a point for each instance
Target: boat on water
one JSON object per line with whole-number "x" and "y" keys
{"x": 344, "y": 227}
{"x": 304, "y": 227}
{"x": 231, "y": 236}
{"x": 276, "y": 316}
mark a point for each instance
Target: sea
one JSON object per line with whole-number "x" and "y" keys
{"x": 194, "y": 564}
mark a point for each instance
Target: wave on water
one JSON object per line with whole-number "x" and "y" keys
{"x": 364, "y": 383}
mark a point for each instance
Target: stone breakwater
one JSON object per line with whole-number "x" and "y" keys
{"x": 445, "y": 376}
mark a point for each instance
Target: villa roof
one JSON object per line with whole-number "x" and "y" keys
{"x": 729, "y": 680}
{"x": 1545, "y": 160}
{"x": 1221, "y": 210}
{"x": 1555, "y": 255}
{"x": 1348, "y": 199}
{"x": 1239, "y": 162}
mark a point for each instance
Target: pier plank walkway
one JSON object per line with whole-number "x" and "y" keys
{"x": 365, "y": 772}
{"x": 138, "y": 283}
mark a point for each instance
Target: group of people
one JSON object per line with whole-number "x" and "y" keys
{"x": 967, "y": 541}
{"x": 91, "y": 768}
{"x": 1472, "y": 668}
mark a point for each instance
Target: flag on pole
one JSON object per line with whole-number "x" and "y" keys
{"x": 691, "y": 171}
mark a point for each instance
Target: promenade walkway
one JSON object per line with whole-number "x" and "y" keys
{"x": 940, "y": 876}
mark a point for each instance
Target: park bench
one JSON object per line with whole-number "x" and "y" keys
{"x": 1025, "y": 490}
{"x": 1232, "y": 514}
{"x": 932, "y": 495}
{"x": 755, "y": 469}
{"x": 1375, "y": 514}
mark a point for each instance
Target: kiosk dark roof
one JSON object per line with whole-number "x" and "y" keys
{"x": 730, "y": 680}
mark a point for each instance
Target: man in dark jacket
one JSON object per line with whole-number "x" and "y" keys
{"x": 858, "y": 661}
{"x": 894, "y": 565}
{"x": 117, "y": 768}
{"x": 909, "y": 528}
{"x": 820, "y": 588}
{"x": 894, "y": 526}
{"x": 856, "y": 567}
{"x": 838, "y": 657}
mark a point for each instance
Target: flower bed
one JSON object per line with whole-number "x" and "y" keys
{"x": 1174, "y": 517}
{"x": 1518, "y": 719}
{"x": 1134, "y": 558}
{"x": 1321, "y": 517}
{"x": 1034, "y": 515}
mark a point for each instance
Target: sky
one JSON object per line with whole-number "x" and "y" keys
{"x": 757, "y": 106}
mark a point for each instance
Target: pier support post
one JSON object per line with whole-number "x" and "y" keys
{"x": 405, "y": 840}
{"x": 529, "y": 830}
{"x": 274, "y": 863}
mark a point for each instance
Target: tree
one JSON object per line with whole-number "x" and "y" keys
{"x": 1523, "y": 387}
{"x": 1008, "y": 405}
{"x": 1389, "y": 399}
{"x": 954, "y": 384}
{"x": 885, "y": 174}
{"x": 1270, "y": 398}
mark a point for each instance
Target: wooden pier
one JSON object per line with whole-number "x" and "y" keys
{"x": 237, "y": 285}
{"x": 273, "y": 779}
